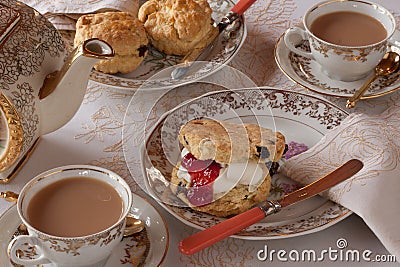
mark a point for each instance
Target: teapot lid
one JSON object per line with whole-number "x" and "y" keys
{"x": 9, "y": 19}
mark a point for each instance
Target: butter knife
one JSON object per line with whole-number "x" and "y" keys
{"x": 198, "y": 51}
{"x": 207, "y": 237}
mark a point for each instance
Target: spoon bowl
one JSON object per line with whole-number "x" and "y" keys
{"x": 133, "y": 226}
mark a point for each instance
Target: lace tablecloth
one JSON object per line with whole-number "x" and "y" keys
{"x": 93, "y": 137}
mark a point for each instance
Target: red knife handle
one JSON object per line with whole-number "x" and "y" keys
{"x": 242, "y": 6}
{"x": 206, "y": 238}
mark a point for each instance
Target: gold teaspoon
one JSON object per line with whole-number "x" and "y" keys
{"x": 9, "y": 196}
{"x": 133, "y": 226}
{"x": 389, "y": 64}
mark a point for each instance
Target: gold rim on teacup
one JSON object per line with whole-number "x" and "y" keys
{"x": 339, "y": 62}
{"x": 81, "y": 250}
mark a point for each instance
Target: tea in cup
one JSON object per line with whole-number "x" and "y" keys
{"x": 347, "y": 38}
{"x": 75, "y": 216}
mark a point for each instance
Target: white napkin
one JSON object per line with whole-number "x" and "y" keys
{"x": 374, "y": 192}
{"x": 63, "y": 14}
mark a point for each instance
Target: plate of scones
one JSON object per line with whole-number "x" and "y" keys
{"x": 157, "y": 38}
{"x": 218, "y": 155}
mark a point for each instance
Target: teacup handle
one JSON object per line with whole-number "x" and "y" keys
{"x": 294, "y": 34}
{"x": 15, "y": 245}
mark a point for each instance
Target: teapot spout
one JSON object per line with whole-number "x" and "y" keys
{"x": 62, "y": 91}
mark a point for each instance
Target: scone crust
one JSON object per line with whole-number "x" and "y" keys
{"x": 237, "y": 200}
{"x": 177, "y": 26}
{"x": 125, "y": 33}
{"x": 211, "y": 139}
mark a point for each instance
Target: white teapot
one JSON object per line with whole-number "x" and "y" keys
{"x": 40, "y": 87}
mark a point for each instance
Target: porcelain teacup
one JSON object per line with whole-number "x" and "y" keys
{"x": 90, "y": 250}
{"x": 342, "y": 62}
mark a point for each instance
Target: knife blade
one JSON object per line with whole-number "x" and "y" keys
{"x": 198, "y": 51}
{"x": 209, "y": 236}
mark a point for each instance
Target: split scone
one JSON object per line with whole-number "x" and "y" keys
{"x": 124, "y": 32}
{"x": 224, "y": 167}
{"x": 175, "y": 27}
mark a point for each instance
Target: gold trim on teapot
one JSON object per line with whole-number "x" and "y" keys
{"x": 15, "y": 134}
{"x": 33, "y": 55}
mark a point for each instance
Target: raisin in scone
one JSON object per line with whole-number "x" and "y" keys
{"x": 223, "y": 170}
{"x": 175, "y": 27}
{"x": 124, "y": 32}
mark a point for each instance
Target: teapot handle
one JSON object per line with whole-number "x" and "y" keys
{"x": 15, "y": 133}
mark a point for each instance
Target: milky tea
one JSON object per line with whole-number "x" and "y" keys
{"x": 74, "y": 207}
{"x": 348, "y": 28}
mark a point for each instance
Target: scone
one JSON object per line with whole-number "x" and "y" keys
{"x": 125, "y": 34}
{"x": 224, "y": 167}
{"x": 175, "y": 27}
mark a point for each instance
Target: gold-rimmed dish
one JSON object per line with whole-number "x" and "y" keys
{"x": 147, "y": 248}
{"x": 300, "y": 117}
{"x": 222, "y": 53}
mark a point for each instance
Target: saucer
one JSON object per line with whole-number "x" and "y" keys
{"x": 307, "y": 73}
{"x": 301, "y": 118}
{"x": 147, "y": 248}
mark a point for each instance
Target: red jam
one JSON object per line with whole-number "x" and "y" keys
{"x": 202, "y": 173}
{"x": 190, "y": 163}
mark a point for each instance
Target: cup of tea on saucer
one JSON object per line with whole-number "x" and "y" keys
{"x": 75, "y": 216}
{"x": 347, "y": 38}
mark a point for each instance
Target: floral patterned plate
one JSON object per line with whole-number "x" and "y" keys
{"x": 148, "y": 248}
{"x": 307, "y": 73}
{"x": 223, "y": 52}
{"x": 301, "y": 118}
